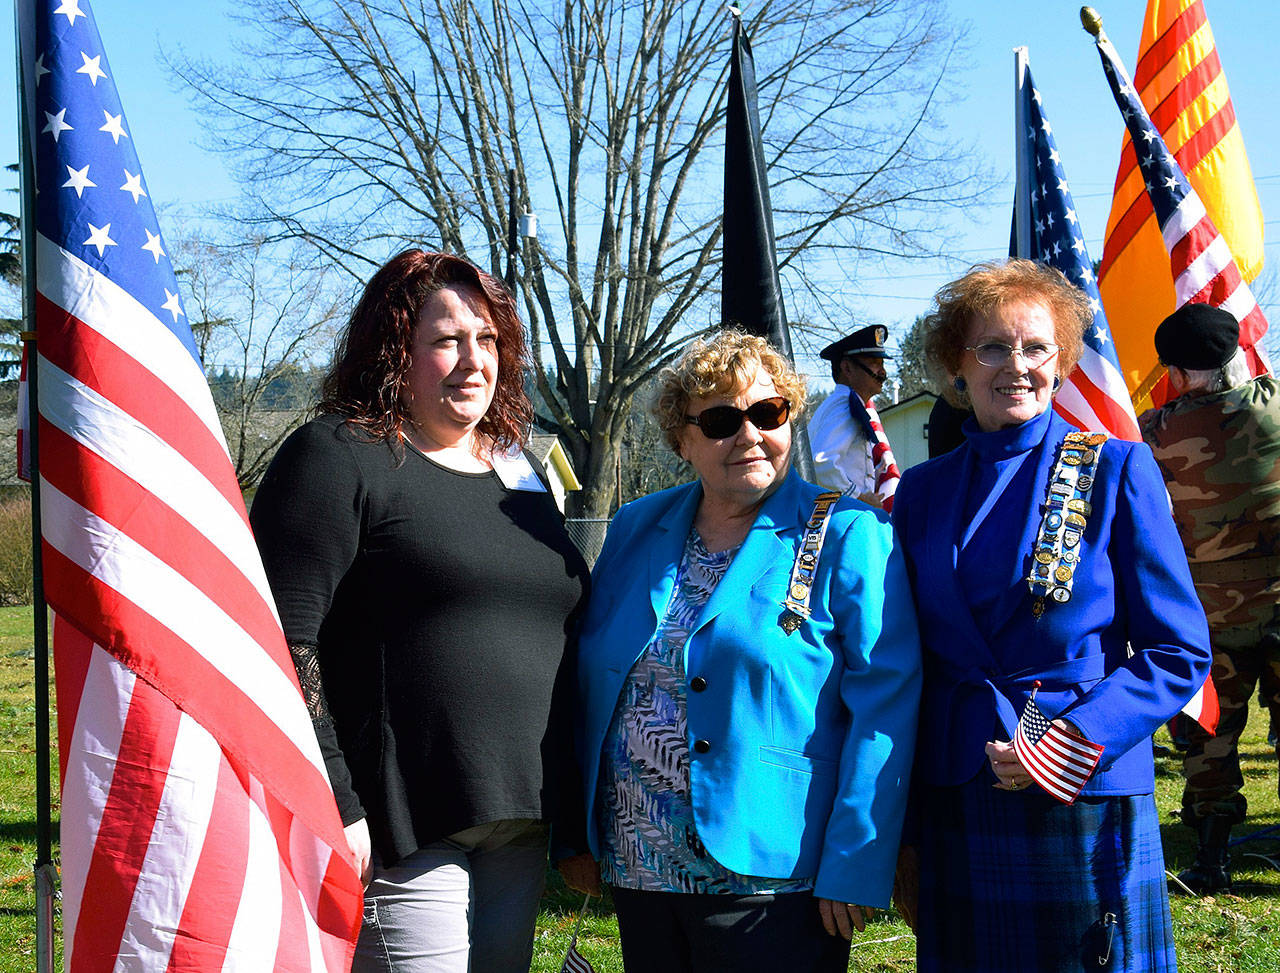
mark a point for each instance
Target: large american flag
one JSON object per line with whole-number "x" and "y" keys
{"x": 199, "y": 830}
{"x": 1094, "y": 396}
{"x": 1203, "y": 267}
{"x": 1057, "y": 759}
{"x": 1182, "y": 82}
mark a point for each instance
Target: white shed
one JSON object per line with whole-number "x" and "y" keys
{"x": 906, "y": 424}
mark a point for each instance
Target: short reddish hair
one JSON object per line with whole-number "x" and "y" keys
{"x": 368, "y": 373}
{"x": 990, "y": 286}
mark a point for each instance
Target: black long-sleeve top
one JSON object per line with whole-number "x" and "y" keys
{"x": 440, "y": 606}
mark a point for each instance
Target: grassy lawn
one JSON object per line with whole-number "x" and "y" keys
{"x": 1223, "y": 934}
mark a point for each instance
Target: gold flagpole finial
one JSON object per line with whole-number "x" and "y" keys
{"x": 1092, "y": 20}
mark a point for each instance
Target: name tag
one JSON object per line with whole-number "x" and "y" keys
{"x": 515, "y": 472}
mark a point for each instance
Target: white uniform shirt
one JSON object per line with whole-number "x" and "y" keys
{"x": 841, "y": 451}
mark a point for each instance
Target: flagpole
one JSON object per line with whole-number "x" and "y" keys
{"x": 573, "y": 943}
{"x": 46, "y": 875}
{"x": 1021, "y": 149}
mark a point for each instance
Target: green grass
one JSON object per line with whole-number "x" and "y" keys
{"x": 1237, "y": 933}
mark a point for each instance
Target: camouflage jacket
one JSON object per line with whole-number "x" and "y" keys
{"x": 1220, "y": 458}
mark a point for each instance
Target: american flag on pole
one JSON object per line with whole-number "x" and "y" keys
{"x": 575, "y": 962}
{"x": 1183, "y": 84}
{"x": 1094, "y": 396}
{"x": 1057, "y": 759}
{"x": 1202, "y": 265}
{"x": 199, "y": 831}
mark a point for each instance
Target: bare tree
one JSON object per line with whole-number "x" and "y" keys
{"x": 259, "y": 318}
{"x": 364, "y": 126}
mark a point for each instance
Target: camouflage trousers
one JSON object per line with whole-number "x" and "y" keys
{"x": 1212, "y": 763}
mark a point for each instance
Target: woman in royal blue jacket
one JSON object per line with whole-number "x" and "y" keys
{"x": 746, "y": 761}
{"x": 1045, "y": 562}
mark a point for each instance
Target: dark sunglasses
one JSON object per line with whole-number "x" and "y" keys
{"x": 723, "y": 421}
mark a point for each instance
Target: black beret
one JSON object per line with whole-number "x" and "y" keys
{"x": 867, "y": 341}
{"x": 1198, "y": 336}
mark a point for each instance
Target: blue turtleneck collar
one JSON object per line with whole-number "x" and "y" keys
{"x": 1004, "y": 443}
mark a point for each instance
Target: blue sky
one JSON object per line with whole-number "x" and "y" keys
{"x": 1087, "y": 126}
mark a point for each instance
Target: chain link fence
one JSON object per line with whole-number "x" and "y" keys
{"x": 588, "y": 535}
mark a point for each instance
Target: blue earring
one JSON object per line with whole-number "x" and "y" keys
{"x": 1057, "y": 383}
{"x": 959, "y": 383}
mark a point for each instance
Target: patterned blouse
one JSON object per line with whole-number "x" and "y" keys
{"x": 648, "y": 835}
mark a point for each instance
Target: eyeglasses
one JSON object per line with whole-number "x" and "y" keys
{"x": 723, "y": 421}
{"x": 995, "y": 354}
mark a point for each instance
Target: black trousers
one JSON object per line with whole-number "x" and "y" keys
{"x": 675, "y": 932}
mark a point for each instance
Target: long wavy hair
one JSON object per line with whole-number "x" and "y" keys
{"x": 365, "y": 382}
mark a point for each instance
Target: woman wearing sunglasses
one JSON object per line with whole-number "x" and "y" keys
{"x": 749, "y": 690}
{"x": 1052, "y": 588}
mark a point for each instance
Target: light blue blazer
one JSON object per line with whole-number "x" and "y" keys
{"x": 808, "y": 738}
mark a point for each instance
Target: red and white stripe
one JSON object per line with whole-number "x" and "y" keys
{"x": 199, "y": 829}
{"x": 887, "y": 472}
{"x": 1095, "y": 398}
{"x": 575, "y": 962}
{"x": 1205, "y": 272}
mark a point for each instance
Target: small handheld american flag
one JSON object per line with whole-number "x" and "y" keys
{"x": 575, "y": 962}
{"x": 1057, "y": 759}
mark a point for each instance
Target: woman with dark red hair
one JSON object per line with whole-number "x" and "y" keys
{"x": 427, "y": 588}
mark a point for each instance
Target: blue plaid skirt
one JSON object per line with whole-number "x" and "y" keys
{"x": 1018, "y": 883}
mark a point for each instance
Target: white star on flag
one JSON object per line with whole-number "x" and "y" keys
{"x": 114, "y": 126}
{"x": 56, "y": 124}
{"x": 41, "y": 70}
{"x": 98, "y": 237}
{"x": 91, "y": 68}
{"x": 172, "y": 304}
{"x": 152, "y": 246}
{"x": 78, "y": 180}
{"x": 70, "y": 9}
{"x": 133, "y": 185}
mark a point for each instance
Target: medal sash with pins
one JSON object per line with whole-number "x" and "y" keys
{"x": 1056, "y": 553}
{"x": 796, "y": 604}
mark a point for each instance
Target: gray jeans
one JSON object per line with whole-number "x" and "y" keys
{"x": 465, "y": 904}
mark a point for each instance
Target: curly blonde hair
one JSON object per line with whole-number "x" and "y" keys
{"x": 724, "y": 364}
{"x": 987, "y": 287}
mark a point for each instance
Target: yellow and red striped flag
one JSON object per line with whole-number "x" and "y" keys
{"x": 1180, "y": 80}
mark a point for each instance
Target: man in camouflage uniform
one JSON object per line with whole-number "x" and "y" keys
{"x": 1218, "y": 446}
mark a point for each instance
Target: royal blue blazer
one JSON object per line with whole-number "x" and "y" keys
{"x": 1127, "y": 651}
{"x": 808, "y": 737}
